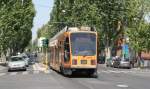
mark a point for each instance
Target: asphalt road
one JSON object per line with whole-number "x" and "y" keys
{"x": 109, "y": 78}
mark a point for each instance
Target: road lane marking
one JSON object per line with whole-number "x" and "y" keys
{"x": 98, "y": 72}
{"x": 36, "y": 72}
{"x": 1, "y": 74}
{"x": 104, "y": 71}
{"x": 47, "y": 72}
{"x": 122, "y": 86}
{"x": 25, "y": 73}
{"x": 112, "y": 71}
{"x": 115, "y": 71}
{"x": 118, "y": 72}
{"x": 13, "y": 73}
{"x": 34, "y": 67}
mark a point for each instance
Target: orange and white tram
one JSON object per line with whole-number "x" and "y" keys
{"x": 74, "y": 49}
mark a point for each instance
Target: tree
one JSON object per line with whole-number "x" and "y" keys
{"x": 15, "y": 23}
{"x": 137, "y": 27}
{"x": 110, "y": 17}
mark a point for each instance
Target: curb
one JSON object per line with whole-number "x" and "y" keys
{"x": 140, "y": 69}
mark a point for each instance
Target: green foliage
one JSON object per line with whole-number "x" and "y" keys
{"x": 140, "y": 37}
{"x": 104, "y": 15}
{"x": 110, "y": 17}
{"x": 15, "y": 23}
{"x": 137, "y": 29}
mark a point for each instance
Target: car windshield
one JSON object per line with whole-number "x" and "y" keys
{"x": 16, "y": 59}
{"x": 83, "y": 44}
{"x": 24, "y": 56}
{"x": 125, "y": 59}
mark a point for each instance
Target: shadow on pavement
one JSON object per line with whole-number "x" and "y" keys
{"x": 75, "y": 75}
{"x": 16, "y": 70}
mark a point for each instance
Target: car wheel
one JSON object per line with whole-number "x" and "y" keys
{"x": 9, "y": 70}
{"x": 25, "y": 69}
{"x": 107, "y": 65}
{"x": 129, "y": 67}
{"x": 93, "y": 73}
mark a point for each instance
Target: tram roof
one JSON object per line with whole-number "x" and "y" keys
{"x": 72, "y": 29}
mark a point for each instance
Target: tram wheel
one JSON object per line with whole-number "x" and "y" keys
{"x": 93, "y": 73}
{"x": 65, "y": 71}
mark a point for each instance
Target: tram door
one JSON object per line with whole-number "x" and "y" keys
{"x": 66, "y": 50}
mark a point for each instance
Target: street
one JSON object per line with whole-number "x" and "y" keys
{"x": 109, "y": 78}
{"x": 94, "y": 44}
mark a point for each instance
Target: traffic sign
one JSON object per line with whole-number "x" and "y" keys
{"x": 125, "y": 50}
{"x": 45, "y": 42}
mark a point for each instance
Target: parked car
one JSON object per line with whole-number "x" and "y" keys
{"x": 116, "y": 62}
{"x": 112, "y": 62}
{"x": 109, "y": 62}
{"x": 25, "y": 58}
{"x": 32, "y": 59}
{"x": 122, "y": 63}
{"x": 101, "y": 59}
{"x": 125, "y": 63}
{"x": 15, "y": 63}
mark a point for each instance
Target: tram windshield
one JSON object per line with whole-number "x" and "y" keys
{"x": 83, "y": 44}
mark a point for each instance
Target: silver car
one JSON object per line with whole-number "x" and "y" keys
{"x": 110, "y": 62}
{"x": 125, "y": 62}
{"x": 15, "y": 63}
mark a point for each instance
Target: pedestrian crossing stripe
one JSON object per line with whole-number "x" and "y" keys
{"x": 47, "y": 71}
{"x": 13, "y": 73}
{"x": 1, "y": 74}
{"x": 36, "y": 72}
{"x": 24, "y": 73}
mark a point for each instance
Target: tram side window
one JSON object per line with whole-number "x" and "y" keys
{"x": 66, "y": 50}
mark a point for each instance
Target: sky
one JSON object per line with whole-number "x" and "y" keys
{"x": 43, "y": 9}
{"x": 147, "y": 18}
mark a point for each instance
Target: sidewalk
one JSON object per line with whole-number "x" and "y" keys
{"x": 134, "y": 69}
{"x": 2, "y": 67}
{"x": 141, "y": 69}
{"x": 39, "y": 66}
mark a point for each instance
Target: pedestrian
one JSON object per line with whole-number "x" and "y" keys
{"x": 138, "y": 61}
{"x": 141, "y": 62}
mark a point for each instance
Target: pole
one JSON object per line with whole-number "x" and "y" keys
{"x": 46, "y": 61}
{"x": 42, "y": 55}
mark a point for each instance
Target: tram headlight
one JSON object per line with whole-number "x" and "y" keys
{"x": 74, "y": 61}
{"x": 93, "y": 62}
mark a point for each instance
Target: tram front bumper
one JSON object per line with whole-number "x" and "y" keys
{"x": 84, "y": 66}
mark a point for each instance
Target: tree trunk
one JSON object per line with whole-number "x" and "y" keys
{"x": 107, "y": 53}
{"x": 139, "y": 58}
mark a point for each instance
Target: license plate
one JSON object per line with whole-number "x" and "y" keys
{"x": 83, "y": 61}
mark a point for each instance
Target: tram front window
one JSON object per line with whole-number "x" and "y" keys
{"x": 83, "y": 44}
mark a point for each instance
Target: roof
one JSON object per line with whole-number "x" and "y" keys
{"x": 73, "y": 29}
{"x": 53, "y": 41}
